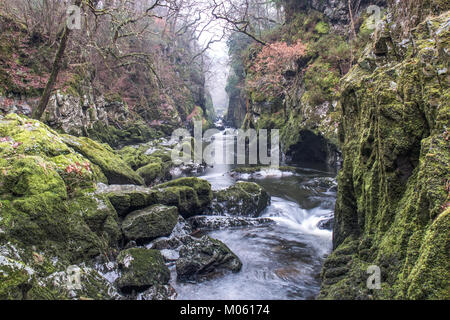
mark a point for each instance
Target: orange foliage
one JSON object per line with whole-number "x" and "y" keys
{"x": 274, "y": 60}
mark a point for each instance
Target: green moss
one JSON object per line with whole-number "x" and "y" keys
{"x": 150, "y": 223}
{"x": 114, "y": 168}
{"x": 151, "y": 173}
{"x": 132, "y": 132}
{"x": 393, "y": 187}
{"x": 322, "y": 27}
{"x": 243, "y": 199}
{"x": 141, "y": 268}
{"x": 201, "y": 187}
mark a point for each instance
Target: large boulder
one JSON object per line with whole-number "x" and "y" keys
{"x": 242, "y": 199}
{"x": 112, "y": 165}
{"x": 141, "y": 268}
{"x": 46, "y": 199}
{"x": 205, "y": 258}
{"x": 150, "y": 223}
{"x": 201, "y": 187}
{"x": 127, "y": 198}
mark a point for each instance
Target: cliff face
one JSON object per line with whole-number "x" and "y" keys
{"x": 392, "y": 209}
{"x": 382, "y": 98}
{"x": 306, "y": 112}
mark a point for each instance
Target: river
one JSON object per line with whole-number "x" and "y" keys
{"x": 283, "y": 260}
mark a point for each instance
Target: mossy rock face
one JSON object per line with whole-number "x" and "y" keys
{"x": 205, "y": 258}
{"x": 150, "y": 223}
{"x": 393, "y": 196}
{"x": 141, "y": 269}
{"x": 243, "y": 199}
{"x": 114, "y": 168}
{"x": 136, "y": 157}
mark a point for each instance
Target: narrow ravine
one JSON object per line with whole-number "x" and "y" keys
{"x": 282, "y": 260}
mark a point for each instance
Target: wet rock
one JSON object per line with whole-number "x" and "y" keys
{"x": 192, "y": 196}
{"x": 243, "y": 199}
{"x": 171, "y": 243}
{"x": 326, "y": 224}
{"x": 205, "y": 258}
{"x": 89, "y": 286}
{"x": 150, "y": 223}
{"x": 141, "y": 268}
{"x": 223, "y": 222}
{"x": 159, "y": 292}
{"x": 182, "y": 228}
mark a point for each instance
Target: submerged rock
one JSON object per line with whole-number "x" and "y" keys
{"x": 205, "y": 258}
{"x": 150, "y": 223}
{"x": 141, "y": 268}
{"x": 243, "y": 199}
{"x": 326, "y": 224}
{"x": 223, "y": 222}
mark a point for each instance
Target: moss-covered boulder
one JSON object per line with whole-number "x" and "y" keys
{"x": 130, "y": 199}
{"x": 201, "y": 187}
{"x": 205, "y": 258}
{"x": 141, "y": 268}
{"x": 243, "y": 199}
{"x": 114, "y": 168}
{"x": 139, "y": 156}
{"x": 153, "y": 172}
{"x": 46, "y": 198}
{"x": 192, "y": 196}
{"x": 150, "y": 223}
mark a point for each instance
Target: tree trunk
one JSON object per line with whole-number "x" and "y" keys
{"x": 39, "y": 111}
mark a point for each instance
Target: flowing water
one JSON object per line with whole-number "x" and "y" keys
{"x": 281, "y": 260}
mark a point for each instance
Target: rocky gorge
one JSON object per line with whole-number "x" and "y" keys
{"x": 92, "y": 205}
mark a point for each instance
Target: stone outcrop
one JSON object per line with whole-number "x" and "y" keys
{"x": 241, "y": 199}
